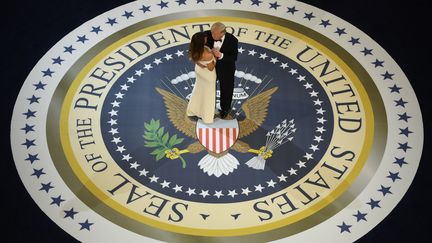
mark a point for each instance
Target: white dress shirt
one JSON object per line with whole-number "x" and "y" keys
{"x": 218, "y": 45}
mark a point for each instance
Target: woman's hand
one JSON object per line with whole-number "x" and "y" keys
{"x": 216, "y": 52}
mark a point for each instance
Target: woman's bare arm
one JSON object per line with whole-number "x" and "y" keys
{"x": 207, "y": 57}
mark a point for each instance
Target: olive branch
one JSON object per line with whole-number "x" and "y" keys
{"x": 156, "y": 138}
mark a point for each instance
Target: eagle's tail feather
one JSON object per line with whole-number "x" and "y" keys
{"x": 218, "y": 166}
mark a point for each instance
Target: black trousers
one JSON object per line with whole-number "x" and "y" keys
{"x": 225, "y": 76}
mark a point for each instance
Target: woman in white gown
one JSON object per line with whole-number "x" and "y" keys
{"x": 203, "y": 99}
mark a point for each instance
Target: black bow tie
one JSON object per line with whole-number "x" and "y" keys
{"x": 218, "y": 40}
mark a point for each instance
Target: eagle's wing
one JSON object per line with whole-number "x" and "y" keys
{"x": 255, "y": 110}
{"x": 176, "y": 109}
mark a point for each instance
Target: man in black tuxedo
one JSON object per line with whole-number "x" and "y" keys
{"x": 225, "y": 49}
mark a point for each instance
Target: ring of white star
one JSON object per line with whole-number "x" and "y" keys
{"x": 218, "y": 193}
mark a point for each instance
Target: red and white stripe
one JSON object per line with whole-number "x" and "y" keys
{"x": 217, "y": 140}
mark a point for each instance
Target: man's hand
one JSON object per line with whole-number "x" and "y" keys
{"x": 216, "y": 52}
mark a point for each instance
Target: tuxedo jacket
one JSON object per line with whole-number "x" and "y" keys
{"x": 230, "y": 50}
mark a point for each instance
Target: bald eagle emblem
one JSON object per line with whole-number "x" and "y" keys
{"x": 222, "y": 135}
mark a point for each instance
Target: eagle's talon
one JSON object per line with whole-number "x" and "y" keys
{"x": 174, "y": 153}
{"x": 268, "y": 154}
{"x": 262, "y": 152}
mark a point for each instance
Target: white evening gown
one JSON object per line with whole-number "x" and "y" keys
{"x": 203, "y": 99}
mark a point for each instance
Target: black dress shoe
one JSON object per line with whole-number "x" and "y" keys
{"x": 223, "y": 114}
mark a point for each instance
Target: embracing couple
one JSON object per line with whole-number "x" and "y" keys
{"x": 214, "y": 53}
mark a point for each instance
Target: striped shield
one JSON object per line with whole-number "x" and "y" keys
{"x": 218, "y": 136}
